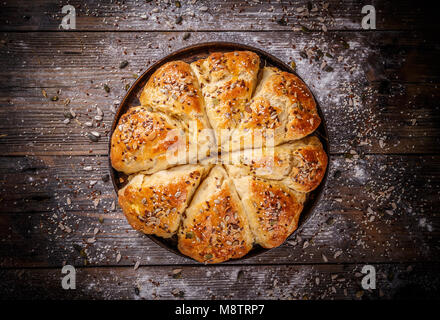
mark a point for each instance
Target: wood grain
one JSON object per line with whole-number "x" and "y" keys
{"x": 131, "y": 15}
{"x": 334, "y": 281}
{"x": 379, "y": 98}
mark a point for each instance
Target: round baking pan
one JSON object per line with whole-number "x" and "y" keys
{"x": 191, "y": 54}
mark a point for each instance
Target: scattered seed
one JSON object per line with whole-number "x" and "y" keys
{"x": 136, "y": 265}
{"x": 282, "y": 21}
{"x": 92, "y": 137}
{"x": 118, "y": 257}
{"x": 123, "y": 64}
{"x": 178, "y": 293}
{"x": 186, "y": 35}
{"x": 203, "y": 9}
{"x": 177, "y": 273}
{"x": 293, "y": 65}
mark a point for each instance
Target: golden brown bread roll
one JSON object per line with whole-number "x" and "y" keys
{"x": 215, "y": 227}
{"x": 227, "y": 81}
{"x": 154, "y": 204}
{"x": 174, "y": 90}
{"x": 272, "y": 209}
{"x": 282, "y": 109}
{"x": 147, "y": 141}
{"x": 299, "y": 164}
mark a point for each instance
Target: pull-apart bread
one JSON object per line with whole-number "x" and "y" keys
{"x": 227, "y": 81}
{"x": 215, "y": 227}
{"x": 282, "y": 109}
{"x": 174, "y": 90}
{"x": 300, "y": 165}
{"x": 147, "y": 141}
{"x": 218, "y": 205}
{"x": 154, "y": 204}
{"x": 272, "y": 209}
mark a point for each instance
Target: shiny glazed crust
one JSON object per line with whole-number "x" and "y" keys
{"x": 253, "y": 195}
{"x": 141, "y": 140}
{"x": 272, "y": 209}
{"x": 154, "y": 204}
{"x": 300, "y": 165}
{"x": 215, "y": 228}
{"x": 227, "y": 81}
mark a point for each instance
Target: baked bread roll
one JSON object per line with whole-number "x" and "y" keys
{"x": 154, "y": 204}
{"x": 215, "y": 227}
{"x": 174, "y": 90}
{"x": 147, "y": 141}
{"x": 272, "y": 209}
{"x": 282, "y": 109}
{"x": 227, "y": 81}
{"x": 300, "y": 165}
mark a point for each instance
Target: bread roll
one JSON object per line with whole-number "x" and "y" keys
{"x": 300, "y": 165}
{"x": 215, "y": 227}
{"x": 154, "y": 204}
{"x": 227, "y": 81}
{"x": 272, "y": 209}
{"x": 147, "y": 141}
{"x": 174, "y": 90}
{"x": 282, "y": 109}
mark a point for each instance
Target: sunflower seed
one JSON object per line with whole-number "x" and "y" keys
{"x": 123, "y": 64}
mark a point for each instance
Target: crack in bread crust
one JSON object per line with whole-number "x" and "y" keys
{"x": 219, "y": 211}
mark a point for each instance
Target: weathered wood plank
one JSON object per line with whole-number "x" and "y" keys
{"x": 225, "y": 282}
{"x": 384, "y": 105}
{"x": 202, "y": 15}
{"x": 371, "y": 211}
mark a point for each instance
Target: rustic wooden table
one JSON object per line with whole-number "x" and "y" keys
{"x": 379, "y": 93}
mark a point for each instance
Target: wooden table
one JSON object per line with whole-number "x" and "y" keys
{"x": 379, "y": 93}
